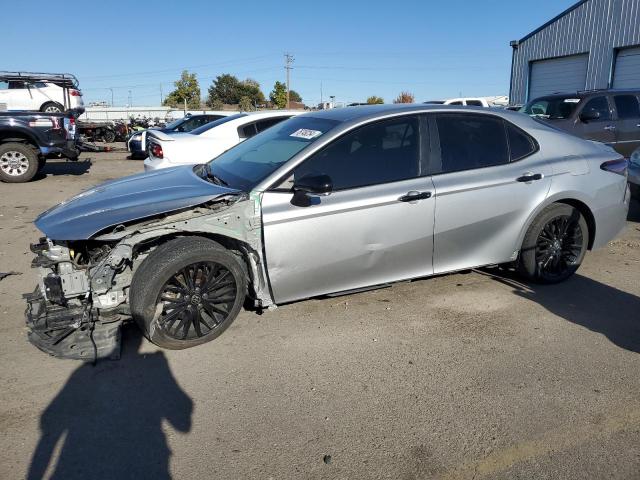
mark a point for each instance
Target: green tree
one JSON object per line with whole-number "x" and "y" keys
{"x": 250, "y": 88}
{"x": 404, "y": 97}
{"x": 245, "y": 104}
{"x": 187, "y": 88}
{"x": 375, "y": 100}
{"x": 225, "y": 89}
{"x": 294, "y": 96}
{"x": 279, "y": 95}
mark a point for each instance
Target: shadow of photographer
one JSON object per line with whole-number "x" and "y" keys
{"x": 106, "y": 422}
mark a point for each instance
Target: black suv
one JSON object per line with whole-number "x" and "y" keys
{"x": 608, "y": 116}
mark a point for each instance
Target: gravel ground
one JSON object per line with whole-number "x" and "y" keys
{"x": 461, "y": 376}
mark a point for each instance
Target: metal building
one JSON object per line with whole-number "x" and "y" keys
{"x": 593, "y": 44}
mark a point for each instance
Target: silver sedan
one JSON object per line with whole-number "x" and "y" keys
{"x": 323, "y": 203}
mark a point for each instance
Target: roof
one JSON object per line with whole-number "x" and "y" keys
{"x": 554, "y": 19}
{"x": 590, "y": 93}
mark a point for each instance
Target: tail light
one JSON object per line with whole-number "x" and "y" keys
{"x": 75, "y": 93}
{"x": 618, "y": 166}
{"x": 156, "y": 150}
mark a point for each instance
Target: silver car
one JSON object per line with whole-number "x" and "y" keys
{"x": 326, "y": 202}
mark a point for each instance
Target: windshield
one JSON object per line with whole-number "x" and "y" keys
{"x": 220, "y": 121}
{"x": 248, "y": 163}
{"x": 553, "y": 108}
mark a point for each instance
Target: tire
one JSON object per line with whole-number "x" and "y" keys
{"x": 18, "y": 162}
{"x": 635, "y": 191}
{"x": 109, "y": 136}
{"x": 166, "y": 296}
{"x": 554, "y": 245}
{"x": 52, "y": 107}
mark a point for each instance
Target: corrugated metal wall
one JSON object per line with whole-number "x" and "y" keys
{"x": 596, "y": 27}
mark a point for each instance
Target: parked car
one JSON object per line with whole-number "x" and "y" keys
{"x": 486, "y": 102}
{"x": 208, "y": 141}
{"x": 51, "y": 93}
{"x": 608, "y": 116}
{"x": 137, "y": 142}
{"x": 325, "y": 202}
{"x": 27, "y": 139}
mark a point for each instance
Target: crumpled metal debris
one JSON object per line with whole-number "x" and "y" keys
{"x": 6, "y": 274}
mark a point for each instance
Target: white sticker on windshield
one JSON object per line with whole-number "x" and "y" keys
{"x": 571, "y": 100}
{"x": 306, "y": 133}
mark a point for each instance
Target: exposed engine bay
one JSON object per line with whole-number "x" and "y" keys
{"x": 81, "y": 300}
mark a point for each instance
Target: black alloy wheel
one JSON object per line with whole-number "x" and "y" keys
{"x": 196, "y": 300}
{"x": 559, "y": 247}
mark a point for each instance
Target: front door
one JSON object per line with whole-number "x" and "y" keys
{"x": 602, "y": 129}
{"x": 375, "y": 227}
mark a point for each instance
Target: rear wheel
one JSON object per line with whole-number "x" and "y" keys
{"x": 18, "y": 162}
{"x": 109, "y": 136}
{"x": 52, "y": 107}
{"x": 555, "y": 244}
{"x": 187, "y": 292}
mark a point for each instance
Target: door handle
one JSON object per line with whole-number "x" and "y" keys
{"x": 529, "y": 177}
{"x": 610, "y": 127}
{"x": 413, "y": 196}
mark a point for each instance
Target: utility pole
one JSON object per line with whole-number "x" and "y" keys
{"x": 161, "y": 99}
{"x": 130, "y": 99}
{"x": 288, "y": 60}
{"x": 321, "y": 94}
{"x": 110, "y": 88}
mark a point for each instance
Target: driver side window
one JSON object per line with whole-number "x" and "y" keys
{"x": 377, "y": 153}
{"x": 600, "y": 105}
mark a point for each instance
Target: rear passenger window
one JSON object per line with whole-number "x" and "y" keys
{"x": 270, "y": 122}
{"x": 381, "y": 152}
{"x": 470, "y": 141}
{"x": 627, "y": 106}
{"x": 247, "y": 131}
{"x": 520, "y": 144}
{"x": 474, "y": 103}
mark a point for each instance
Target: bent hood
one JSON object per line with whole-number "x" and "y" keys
{"x": 125, "y": 200}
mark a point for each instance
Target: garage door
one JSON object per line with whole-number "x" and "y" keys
{"x": 565, "y": 74}
{"x": 626, "y": 73}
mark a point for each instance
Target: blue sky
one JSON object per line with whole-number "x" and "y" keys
{"x": 434, "y": 49}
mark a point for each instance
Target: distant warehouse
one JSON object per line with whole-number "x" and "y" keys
{"x": 592, "y": 45}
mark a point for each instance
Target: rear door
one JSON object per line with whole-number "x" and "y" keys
{"x": 488, "y": 180}
{"x": 20, "y": 97}
{"x": 628, "y": 123}
{"x": 604, "y": 128}
{"x": 375, "y": 227}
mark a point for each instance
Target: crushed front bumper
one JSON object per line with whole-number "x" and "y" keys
{"x": 70, "y": 331}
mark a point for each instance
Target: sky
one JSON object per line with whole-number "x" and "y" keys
{"x": 348, "y": 49}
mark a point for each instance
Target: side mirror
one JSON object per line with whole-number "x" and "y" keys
{"x": 310, "y": 185}
{"x": 589, "y": 116}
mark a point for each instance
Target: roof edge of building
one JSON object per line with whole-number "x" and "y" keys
{"x": 553, "y": 20}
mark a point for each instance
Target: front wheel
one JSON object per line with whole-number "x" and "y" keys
{"x": 109, "y": 136}
{"x": 554, "y": 245}
{"x": 187, "y": 292}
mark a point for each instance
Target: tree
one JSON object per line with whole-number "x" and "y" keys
{"x": 245, "y": 104}
{"x": 250, "y": 88}
{"x": 187, "y": 88}
{"x": 228, "y": 89}
{"x": 404, "y": 97}
{"x": 279, "y": 95}
{"x": 225, "y": 89}
{"x": 374, "y": 100}
{"x": 294, "y": 96}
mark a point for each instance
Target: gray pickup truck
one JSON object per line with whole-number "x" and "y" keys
{"x": 27, "y": 139}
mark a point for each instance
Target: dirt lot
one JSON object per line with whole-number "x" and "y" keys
{"x": 461, "y": 376}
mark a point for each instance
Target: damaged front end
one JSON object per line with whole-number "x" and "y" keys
{"x": 77, "y": 309}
